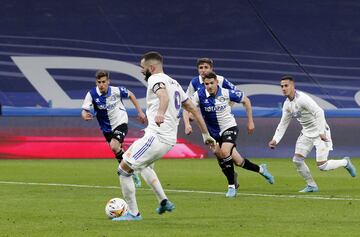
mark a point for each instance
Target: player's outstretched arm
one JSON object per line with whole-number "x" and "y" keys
{"x": 190, "y": 107}
{"x": 141, "y": 115}
{"x": 250, "y": 125}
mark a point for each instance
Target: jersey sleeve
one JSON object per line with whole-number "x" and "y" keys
{"x": 155, "y": 82}
{"x": 228, "y": 85}
{"x": 195, "y": 99}
{"x": 124, "y": 93}
{"x": 87, "y": 102}
{"x": 183, "y": 95}
{"x": 190, "y": 90}
{"x": 236, "y": 96}
{"x": 283, "y": 125}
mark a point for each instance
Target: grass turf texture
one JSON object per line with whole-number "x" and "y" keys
{"x": 45, "y": 210}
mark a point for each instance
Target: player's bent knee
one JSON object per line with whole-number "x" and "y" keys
{"x": 322, "y": 166}
{"x": 122, "y": 172}
{"x": 298, "y": 159}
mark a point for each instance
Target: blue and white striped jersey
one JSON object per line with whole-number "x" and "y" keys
{"x": 197, "y": 82}
{"x": 216, "y": 110}
{"x": 110, "y": 110}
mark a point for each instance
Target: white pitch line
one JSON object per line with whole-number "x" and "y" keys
{"x": 190, "y": 191}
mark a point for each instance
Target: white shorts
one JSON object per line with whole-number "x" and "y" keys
{"x": 145, "y": 151}
{"x": 304, "y": 145}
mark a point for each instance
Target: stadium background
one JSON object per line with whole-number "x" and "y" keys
{"x": 253, "y": 44}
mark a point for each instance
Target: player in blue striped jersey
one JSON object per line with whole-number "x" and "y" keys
{"x": 110, "y": 111}
{"x": 213, "y": 102}
{"x": 205, "y": 65}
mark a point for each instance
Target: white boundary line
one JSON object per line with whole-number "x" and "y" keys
{"x": 189, "y": 191}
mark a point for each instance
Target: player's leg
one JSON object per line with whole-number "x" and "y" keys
{"x": 141, "y": 155}
{"x": 128, "y": 191}
{"x": 303, "y": 147}
{"x": 116, "y": 145}
{"x": 248, "y": 165}
{"x": 226, "y": 164}
{"x": 322, "y": 152}
{"x": 150, "y": 177}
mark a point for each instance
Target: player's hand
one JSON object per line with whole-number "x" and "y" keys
{"x": 188, "y": 130}
{"x": 159, "y": 119}
{"x": 208, "y": 140}
{"x": 324, "y": 138}
{"x": 87, "y": 116}
{"x": 142, "y": 117}
{"x": 272, "y": 144}
{"x": 250, "y": 127}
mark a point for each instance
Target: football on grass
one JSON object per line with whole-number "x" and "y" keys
{"x": 116, "y": 207}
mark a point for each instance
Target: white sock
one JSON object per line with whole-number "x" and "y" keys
{"x": 333, "y": 164}
{"x": 152, "y": 180}
{"x": 304, "y": 171}
{"x": 128, "y": 190}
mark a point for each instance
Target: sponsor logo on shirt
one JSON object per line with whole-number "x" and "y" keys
{"x": 214, "y": 108}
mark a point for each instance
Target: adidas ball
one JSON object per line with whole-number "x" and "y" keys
{"x": 116, "y": 207}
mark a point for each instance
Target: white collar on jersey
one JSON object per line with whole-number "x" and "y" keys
{"x": 100, "y": 94}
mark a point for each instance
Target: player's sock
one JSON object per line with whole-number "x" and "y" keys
{"x": 250, "y": 166}
{"x": 119, "y": 156}
{"x": 227, "y": 167}
{"x": 152, "y": 180}
{"x": 304, "y": 170}
{"x": 128, "y": 190}
{"x": 332, "y": 164}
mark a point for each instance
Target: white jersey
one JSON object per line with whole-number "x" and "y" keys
{"x": 167, "y": 132}
{"x": 307, "y": 112}
{"x": 110, "y": 110}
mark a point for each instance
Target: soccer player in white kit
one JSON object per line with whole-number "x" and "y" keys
{"x": 164, "y": 99}
{"x": 315, "y": 132}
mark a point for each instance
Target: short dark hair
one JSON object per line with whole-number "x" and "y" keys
{"x": 288, "y": 77}
{"x": 205, "y": 60}
{"x": 210, "y": 75}
{"x": 102, "y": 73}
{"x": 153, "y": 55}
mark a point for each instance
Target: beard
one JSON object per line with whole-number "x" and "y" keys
{"x": 147, "y": 74}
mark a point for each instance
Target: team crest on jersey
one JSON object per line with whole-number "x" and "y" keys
{"x": 97, "y": 100}
{"x": 296, "y": 114}
{"x": 206, "y": 101}
{"x": 221, "y": 99}
{"x": 112, "y": 98}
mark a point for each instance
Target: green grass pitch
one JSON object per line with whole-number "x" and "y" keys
{"x": 67, "y": 198}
